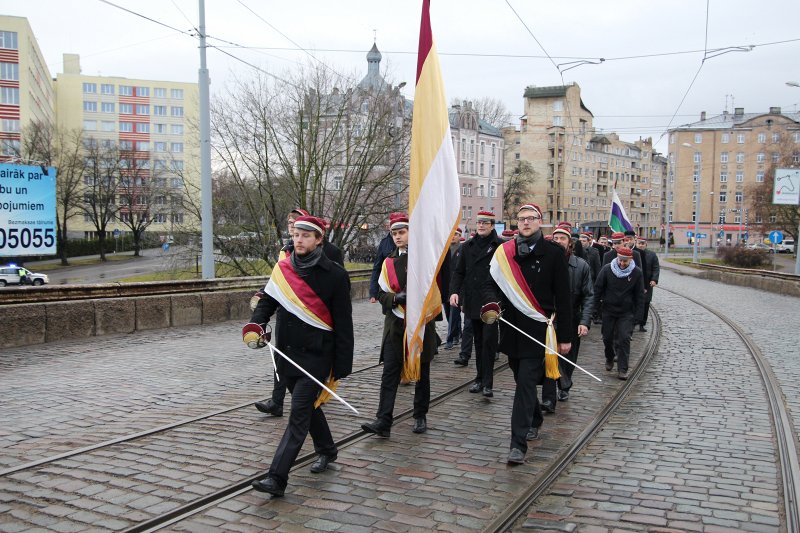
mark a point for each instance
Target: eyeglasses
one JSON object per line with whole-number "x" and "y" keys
{"x": 523, "y": 220}
{"x": 487, "y": 222}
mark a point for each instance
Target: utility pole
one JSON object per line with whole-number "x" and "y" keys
{"x": 206, "y": 211}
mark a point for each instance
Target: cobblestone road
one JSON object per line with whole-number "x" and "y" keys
{"x": 692, "y": 449}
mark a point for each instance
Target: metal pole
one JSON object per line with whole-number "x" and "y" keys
{"x": 207, "y": 227}
{"x": 669, "y": 210}
{"x": 696, "y": 219}
{"x": 796, "y": 255}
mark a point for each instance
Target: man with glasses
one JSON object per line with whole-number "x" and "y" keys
{"x": 529, "y": 283}
{"x": 469, "y": 276}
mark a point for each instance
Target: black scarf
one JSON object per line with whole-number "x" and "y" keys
{"x": 525, "y": 245}
{"x": 304, "y": 263}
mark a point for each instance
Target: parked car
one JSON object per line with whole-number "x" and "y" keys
{"x": 760, "y": 246}
{"x": 9, "y": 275}
{"x": 786, "y": 247}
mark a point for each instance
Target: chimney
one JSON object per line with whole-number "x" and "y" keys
{"x": 738, "y": 111}
{"x": 702, "y": 115}
{"x": 774, "y": 110}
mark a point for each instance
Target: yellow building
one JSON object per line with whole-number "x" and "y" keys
{"x": 716, "y": 161}
{"x": 26, "y": 89}
{"x": 153, "y": 121}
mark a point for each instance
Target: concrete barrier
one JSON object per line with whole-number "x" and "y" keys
{"x": 24, "y": 324}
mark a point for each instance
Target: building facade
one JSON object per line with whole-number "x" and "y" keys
{"x": 478, "y": 147}
{"x": 574, "y": 168}
{"x": 26, "y": 89}
{"x": 714, "y": 164}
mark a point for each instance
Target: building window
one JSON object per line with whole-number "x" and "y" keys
{"x": 776, "y": 137}
{"x": 698, "y": 138}
{"x": 176, "y": 111}
{"x": 762, "y": 138}
{"x": 11, "y": 125}
{"x": 739, "y": 176}
{"x": 760, "y": 157}
{"x": 90, "y": 125}
{"x": 723, "y": 177}
{"x": 176, "y": 164}
{"x": 142, "y": 127}
{"x": 481, "y": 171}
{"x": 177, "y": 148}
{"x": 740, "y": 138}
{"x": 558, "y": 105}
{"x": 126, "y": 109}
{"x": 10, "y": 147}
{"x": 337, "y": 183}
{"x": 159, "y": 92}
{"x": 698, "y": 157}
{"x": 721, "y": 216}
{"x": 9, "y": 95}
{"x": 159, "y": 147}
{"x": 177, "y": 94}
{"x": 107, "y": 88}
{"x": 107, "y": 107}
{"x": 126, "y": 127}
{"x": 177, "y": 129}
{"x": 160, "y": 128}
{"x": 723, "y": 157}
{"x": 775, "y": 157}
{"x": 739, "y": 196}
{"x": 8, "y": 40}
{"x": 143, "y": 91}
{"x": 796, "y": 137}
{"x": 516, "y": 156}
{"x": 142, "y": 109}
{"x": 108, "y": 125}
{"x": 90, "y": 88}
{"x": 126, "y": 145}
{"x": 723, "y": 197}
{"x": 125, "y": 90}
{"x": 557, "y": 120}
{"x": 89, "y": 107}
{"x": 159, "y": 110}
{"x": 143, "y": 146}
{"x": 760, "y": 176}
{"x": 740, "y": 157}
{"x": 695, "y": 176}
{"x": 9, "y": 71}
{"x": 726, "y": 138}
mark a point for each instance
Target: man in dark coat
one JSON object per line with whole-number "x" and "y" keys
{"x": 619, "y": 285}
{"x": 318, "y": 336}
{"x": 385, "y": 247}
{"x": 392, "y": 296}
{"x": 582, "y": 292}
{"x": 274, "y": 406}
{"x": 470, "y": 274}
{"x": 541, "y": 266}
{"x": 592, "y": 255}
{"x": 618, "y": 240}
{"x": 650, "y": 270}
{"x": 453, "y": 311}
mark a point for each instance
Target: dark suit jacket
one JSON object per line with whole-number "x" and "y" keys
{"x": 472, "y": 271}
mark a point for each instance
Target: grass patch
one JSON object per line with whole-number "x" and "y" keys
{"x": 221, "y": 270}
{"x": 81, "y": 262}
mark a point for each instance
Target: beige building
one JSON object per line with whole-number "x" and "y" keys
{"x": 150, "y": 120}
{"x": 26, "y": 89}
{"x": 716, "y": 161}
{"x": 478, "y": 147}
{"x": 575, "y": 168}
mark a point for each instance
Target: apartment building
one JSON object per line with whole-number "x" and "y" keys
{"x": 478, "y": 147}
{"x": 575, "y": 168}
{"x": 715, "y": 162}
{"x": 26, "y": 90}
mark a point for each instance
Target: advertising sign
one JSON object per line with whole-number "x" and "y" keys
{"x": 786, "y": 190}
{"x": 27, "y": 210}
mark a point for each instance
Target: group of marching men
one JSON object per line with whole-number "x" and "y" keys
{"x": 530, "y": 296}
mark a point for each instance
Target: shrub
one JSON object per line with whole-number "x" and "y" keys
{"x": 739, "y": 256}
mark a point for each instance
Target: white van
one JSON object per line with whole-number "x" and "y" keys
{"x": 786, "y": 247}
{"x": 9, "y": 275}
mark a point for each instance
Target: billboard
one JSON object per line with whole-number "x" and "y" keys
{"x": 27, "y": 210}
{"x": 786, "y": 189}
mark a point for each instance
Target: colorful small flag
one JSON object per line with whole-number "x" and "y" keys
{"x": 618, "y": 220}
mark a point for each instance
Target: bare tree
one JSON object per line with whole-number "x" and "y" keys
{"x": 764, "y": 215}
{"x": 313, "y": 140}
{"x": 490, "y": 110}
{"x": 102, "y": 172}
{"x": 517, "y": 187}
{"x": 53, "y": 146}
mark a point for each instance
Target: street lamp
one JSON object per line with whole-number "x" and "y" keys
{"x": 796, "y": 253}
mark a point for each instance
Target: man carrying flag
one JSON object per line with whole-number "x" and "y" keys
{"x": 317, "y": 334}
{"x": 433, "y": 199}
{"x": 530, "y": 283}
{"x": 392, "y": 296}
{"x": 618, "y": 219}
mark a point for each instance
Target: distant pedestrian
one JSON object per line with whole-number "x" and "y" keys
{"x": 650, "y": 270}
{"x": 620, "y": 287}
{"x": 453, "y": 311}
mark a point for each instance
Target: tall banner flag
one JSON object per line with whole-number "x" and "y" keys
{"x": 618, "y": 220}
{"x": 433, "y": 202}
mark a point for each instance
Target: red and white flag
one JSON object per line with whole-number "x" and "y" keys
{"x": 434, "y": 203}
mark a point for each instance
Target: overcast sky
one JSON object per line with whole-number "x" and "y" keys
{"x": 486, "y": 50}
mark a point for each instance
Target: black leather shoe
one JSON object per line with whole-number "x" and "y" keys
{"x": 516, "y": 456}
{"x": 322, "y": 462}
{"x": 609, "y": 365}
{"x": 377, "y": 428}
{"x": 420, "y": 425}
{"x": 270, "y": 407}
{"x": 460, "y": 361}
{"x": 269, "y": 485}
{"x": 533, "y": 434}
{"x": 487, "y": 392}
{"x": 548, "y": 407}
{"x": 642, "y": 328}
{"x": 563, "y": 395}
{"x": 623, "y": 375}
{"x": 476, "y": 388}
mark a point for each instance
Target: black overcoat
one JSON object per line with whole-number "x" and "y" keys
{"x": 472, "y": 271}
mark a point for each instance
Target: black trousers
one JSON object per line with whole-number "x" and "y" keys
{"x": 617, "y": 331}
{"x": 392, "y": 367}
{"x": 278, "y": 390}
{"x": 526, "y": 411}
{"x": 453, "y": 323}
{"x": 648, "y": 297}
{"x": 466, "y": 340}
{"x": 303, "y": 419}
{"x": 566, "y": 370}
{"x": 485, "y": 336}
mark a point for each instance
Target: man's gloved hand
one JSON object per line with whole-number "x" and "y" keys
{"x": 490, "y": 312}
{"x": 256, "y": 335}
{"x": 400, "y": 298}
